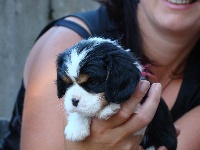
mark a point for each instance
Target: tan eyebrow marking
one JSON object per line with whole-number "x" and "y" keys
{"x": 82, "y": 78}
{"x": 67, "y": 79}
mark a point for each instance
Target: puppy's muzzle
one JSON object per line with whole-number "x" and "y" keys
{"x": 75, "y": 102}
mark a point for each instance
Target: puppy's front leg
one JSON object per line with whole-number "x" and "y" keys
{"x": 78, "y": 127}
{"x": 108, "y": 111}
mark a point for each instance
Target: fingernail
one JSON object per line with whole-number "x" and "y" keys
{"x": 158, "y": 87}
{"x": 144, "y": 85}
{"x": 137, "y": 109}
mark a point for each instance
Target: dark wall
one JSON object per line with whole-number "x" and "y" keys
{"x": 20, "y": 23}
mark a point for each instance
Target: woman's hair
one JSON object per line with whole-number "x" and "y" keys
{"x": 124, "y": 14}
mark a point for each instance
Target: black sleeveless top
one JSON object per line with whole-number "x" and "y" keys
{"x": 100, "y": 25}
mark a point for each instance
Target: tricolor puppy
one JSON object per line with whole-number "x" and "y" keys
{"x": 96, "y": 76}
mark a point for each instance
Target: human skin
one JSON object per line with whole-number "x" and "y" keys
{"x": 162, "y": 28}
{"x": 169, "y": 33}
{"x": 44, "y": 119}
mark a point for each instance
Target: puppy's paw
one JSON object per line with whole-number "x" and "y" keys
{"x": 76, "y": 133}
{"x": 108, "y": 111}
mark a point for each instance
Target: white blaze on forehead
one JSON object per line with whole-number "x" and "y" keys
{"x": 74, "y": 64}
{"x": 98, "y": 39}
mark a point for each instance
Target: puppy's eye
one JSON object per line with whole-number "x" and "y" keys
{"x": 93, "y": 81}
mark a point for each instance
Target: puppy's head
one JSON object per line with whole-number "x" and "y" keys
{"x": 94, "y": 73}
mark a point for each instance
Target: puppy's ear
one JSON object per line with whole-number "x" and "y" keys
{"x": 61, "y": 85}
{"x": 122, "y": 77}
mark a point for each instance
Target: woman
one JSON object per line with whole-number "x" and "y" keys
{"x": 163, "y": 33}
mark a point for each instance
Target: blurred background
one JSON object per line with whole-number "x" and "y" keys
{"x": 20, "y": 23}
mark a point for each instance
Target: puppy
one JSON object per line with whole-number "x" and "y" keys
{"x": 96, "y": 76}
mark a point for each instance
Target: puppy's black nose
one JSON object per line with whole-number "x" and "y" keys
{"x": 75, "y": 102}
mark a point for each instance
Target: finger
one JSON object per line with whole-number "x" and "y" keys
{"x": 140, "y": 120}
{"x": 162, "y": 148}
{"x": 128, "y": 107}
{"x": 131, "y": 143}
{"x": 136, "y": 140}
{"x": 140, "y": 148}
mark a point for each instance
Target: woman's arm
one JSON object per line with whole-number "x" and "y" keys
{"x": 44, "y": 116}
{"x": 189, "y": 125}
{"x": 42, "y": 125}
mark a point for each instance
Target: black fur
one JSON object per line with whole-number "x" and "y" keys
{"x": 61, "y": 68}
{"x": 104, "y": 63}
{"x": 110, "y": 61}
{"x": 112, "y": 71}
{"x": 161, "y": 130}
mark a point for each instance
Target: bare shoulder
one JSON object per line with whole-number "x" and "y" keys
{"x": 49, "y": 45}
{"x": 43, "y": 113}
{"x": 190, "y": 130}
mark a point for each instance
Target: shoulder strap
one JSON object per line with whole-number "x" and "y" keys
{"x": 65, "y": 23}
{"x": 97, "y": 21}
{"x": 74, "y": 26}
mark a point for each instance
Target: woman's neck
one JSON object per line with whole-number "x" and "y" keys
{"x": 168, "y": 51}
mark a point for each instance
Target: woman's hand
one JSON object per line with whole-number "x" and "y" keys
{"x": 118, "y": 131}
